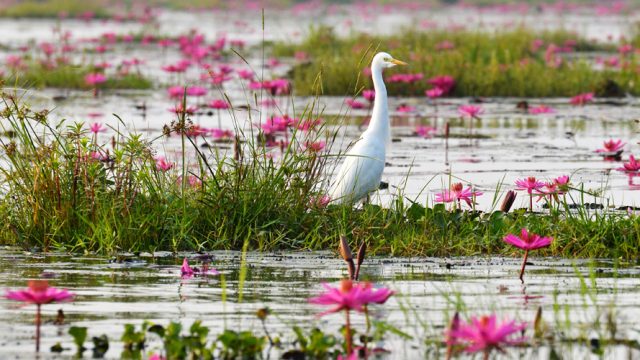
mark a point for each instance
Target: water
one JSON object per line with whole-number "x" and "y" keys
{"x": 513, "y": 145}
{"x": 145, "y": 288}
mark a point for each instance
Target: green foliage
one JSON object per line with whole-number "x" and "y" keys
{"x": 79, "y": 335}
{"x": 483, "y": 63}
{"x": 53, "y": 8}
{"x": 70, "y": 77}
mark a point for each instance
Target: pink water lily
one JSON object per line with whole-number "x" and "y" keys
{"x": 527, "y": 241}
{"x": 350, "y": 296}
{"x": 582, "y": 99}
{"x": 632, "y": 166}
{"x": 434, "y": 93}
{"x": 369, "y": 95}
{"x": 354, "y": 104}
{"x": 187, "y": 271}
{"x": 444, "y": 82}
{"x": 541, "y": 109}
{"x": 39, "y": 293}
{"x": 612, "y": 146}
{"x": 424, "y": 131}
{"x": 470, "y": 111}
{"x": 97, "y": 127}
{"x": 95, "y": 79}
{"x": 162, "y": 164}
{"x": 218, "y": 104}
{"x": 196, "y": 91}
{"x": 530, "y": 184}
{"x": 458, "y": 193}
{"x": 485, "y": 334}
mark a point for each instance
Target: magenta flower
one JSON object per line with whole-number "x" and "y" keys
{"x": 218, "y": 104}
{"x": 444, "y": 82}
{"x": 245, "y": 74}
{"x": 485, "y": 334}
{"x": 196, "y": 91}
{"x": 631, "y": 167}
{"x": 404, "y": 108}
{"x": 94, "y": 79}
{"x": 527, "y": 241}
{"x": 530, "y": 184}
{"x": 319, "y": 202}
{"x": 424, "y": 131}
{"x": 354, "y": 104}
{"x": 314, "y": 146}
{"x": 582, "y": 99}
{"x": 470, "y": 111}
{"x": 350, "y": 296}
{"x": 369, "y": 95}
{"x": 542, "y": 109}
{"x": 175, "y": 92}
{"x": 457, "y": 193}
{"x": 612, "y": 146}
{"x": 187, "y": 271}
{"x": 162, "y": 164}
{"x": 39, "y": 293}
{"x": 434, "y": 93}
{"x": 96, "y": 128}
{"x": 178, "y": 109}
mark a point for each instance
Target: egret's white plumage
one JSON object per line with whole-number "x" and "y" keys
{"x": 362, "y": 169}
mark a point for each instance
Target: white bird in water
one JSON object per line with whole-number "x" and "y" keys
{"x": 362, "y": 169}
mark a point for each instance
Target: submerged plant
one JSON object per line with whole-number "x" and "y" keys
{"x": 39, "y": 293}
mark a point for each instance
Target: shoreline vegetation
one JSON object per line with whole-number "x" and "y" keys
{"x": 63, "y": 190}
{"x": 516, "y": 62}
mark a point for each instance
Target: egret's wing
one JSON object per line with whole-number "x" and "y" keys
{"x": 358, "y": 176}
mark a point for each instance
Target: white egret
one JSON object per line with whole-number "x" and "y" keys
{"x": 362, "y": 169}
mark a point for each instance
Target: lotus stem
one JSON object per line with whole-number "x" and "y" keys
{"x": 347, "y": 332}
{"x": 38, "y": 321}
{"x": 524, "y": 263}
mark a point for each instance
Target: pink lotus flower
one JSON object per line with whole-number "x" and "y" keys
{"x": 582, "y": 99}
{"x": 542, "y": 109}
{"x": 485, "y": 334}
{"x": 470, "y": 111}
{"x": 218, "y": 104}
{"x": 39, "y": 293}
{"x": 350, "y": 296}
{"x": 434, "y": 93}
{"x": 404, "y": 108}
{"x": 631, "y": 167}
{"x": 315, "y": 147}
{"x": 156, "y": 357}
{"x": 319, "y": 202}
{"x": 424, "y": 131}
{"x": 187, "y": 271}
{"x": 369, "y": 95}
{"x": 307, "y": 124}
{"x": 612, "y": 146}
{"x": 196, "y": 91}
{"x": 94, "y": 79}
{"x": 354, "y": 104}
{"x": 96, "y": 128}
{"x": 178, "y": 109}
{"x": 175, "y": 91}
{"x": 527, "y": 241}
{"x": 162, "y": 164}
{"x": 457, "y": 193}
{"x": 530, "y": 184}
{"x": 444, "y": 82}
{"x": 219, "y": 134}
{"x": 245, "y": 74}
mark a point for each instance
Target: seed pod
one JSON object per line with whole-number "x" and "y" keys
{"x": 345, "y": 252}
{"x": 508, "y": 201}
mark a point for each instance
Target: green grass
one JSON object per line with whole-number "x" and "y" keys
{"x": 70, "y": 77}
{"x": 482, "y": 63}
{"x": 53, "y": 8}
{"x": 56, "y": 197}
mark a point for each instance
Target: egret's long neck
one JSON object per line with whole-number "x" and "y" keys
{"x": 379, "y": 124}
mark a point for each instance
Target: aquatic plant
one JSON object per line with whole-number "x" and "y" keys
{"x": 39, "y": 293}
{"x": 485, "y": 334}
{"x": 527, "y": 241}
{"x": 530, "y": 185}
{"x": 458, "y": 193}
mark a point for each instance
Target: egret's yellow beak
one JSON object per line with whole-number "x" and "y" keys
{"x": 397, "y": 62}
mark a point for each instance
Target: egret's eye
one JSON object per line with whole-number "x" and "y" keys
{"x": 387, "y": 59}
